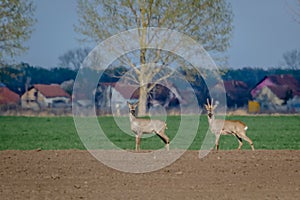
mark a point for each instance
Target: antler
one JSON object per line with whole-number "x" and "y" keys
{"x": 207, "y": 102}
{"x": 210, "y": 105}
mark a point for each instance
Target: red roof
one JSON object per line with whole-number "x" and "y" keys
{"x": 285, "y": 79}
{"x": 53, "y": 90}
{"x": 233, "y": 85}
{"x": 8, "y": 97}
{"x": 280, "y": 85}
{"x": 128, "y": 91}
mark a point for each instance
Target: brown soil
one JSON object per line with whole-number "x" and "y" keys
{"x": 73, "y": 174}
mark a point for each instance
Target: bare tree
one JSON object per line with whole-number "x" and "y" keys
{"x": 295, "y": 10}
{"x": 16, "y": 21}
{"x": 73, "y": 58}
{"x": 207, "y": 21}
{"x": 292, "y": 59}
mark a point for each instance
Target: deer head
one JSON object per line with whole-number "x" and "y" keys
{"x": 210, "y": 108}
{"x": 132, "y": 107}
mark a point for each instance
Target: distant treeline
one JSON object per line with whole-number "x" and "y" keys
{"x": 18, "y": 77}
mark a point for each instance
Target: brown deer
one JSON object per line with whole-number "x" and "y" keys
{"x": 226, "y": 127}
{"x": 140, "y": 126}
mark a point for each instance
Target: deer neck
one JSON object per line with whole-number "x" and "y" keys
{"x": 210, "y": 117}
{"x": 132, "y": 116}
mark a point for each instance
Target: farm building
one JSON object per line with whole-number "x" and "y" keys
{"x": 8, "y": 97}
{"x": 274, "y": 92}
{"x": 45, "y": 96}
{"x": 114, "y": 96}
{"x": 237, "y": 92}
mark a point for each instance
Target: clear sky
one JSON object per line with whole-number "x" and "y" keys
{"x": 263, "y": 31}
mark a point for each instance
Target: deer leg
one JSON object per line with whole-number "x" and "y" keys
{"x": 240, "y": 142}
{"x": 217, "y": 141}
{"x": 248, "y": 140}
{"x": 137, "y": 142}
{"x": 164, "y": 138}
{"x": 167, "y": 146}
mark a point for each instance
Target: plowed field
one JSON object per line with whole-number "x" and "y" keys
{"x": 75, "y": 174}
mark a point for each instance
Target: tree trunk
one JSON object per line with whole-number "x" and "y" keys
{"x": 142, "y": 101}
{"x": 143, "y": 80}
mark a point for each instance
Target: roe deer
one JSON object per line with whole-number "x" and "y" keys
{"x": 230, "y": 127}
{"x": 140, "y": 126}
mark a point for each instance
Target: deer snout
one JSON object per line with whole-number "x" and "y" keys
{"x": 132, "y": 112}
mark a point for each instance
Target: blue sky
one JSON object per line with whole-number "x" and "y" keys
{"x": 263, "y": 31}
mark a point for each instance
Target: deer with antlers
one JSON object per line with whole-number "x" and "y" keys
{"x": 226, "y": 127}
{"x": 140, "y": 126}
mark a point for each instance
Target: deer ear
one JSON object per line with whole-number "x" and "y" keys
{"x": 206, "y": 107}
{"x": 215, "y": 106}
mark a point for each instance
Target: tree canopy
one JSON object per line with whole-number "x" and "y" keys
{"x": 207, "y": 21}
{"x": 16, "y": 21}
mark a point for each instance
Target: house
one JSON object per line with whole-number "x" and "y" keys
{"x": 114, "y": 96}
{"x": 237, "y": 92}
{"x": 274, "y": 91}
{"x": 41, "y": 96}
{"x": 8, "y": 97}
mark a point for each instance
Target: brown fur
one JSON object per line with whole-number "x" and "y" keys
{"x": 140, "y": 126}
{"x": 226, "y": 127}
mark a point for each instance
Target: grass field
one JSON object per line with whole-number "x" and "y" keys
{"x": 25, "y": 133}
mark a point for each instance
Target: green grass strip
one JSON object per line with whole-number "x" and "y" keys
{"x": 53, "y": 133}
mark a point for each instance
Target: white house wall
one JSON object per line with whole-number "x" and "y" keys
{"x": 267, "y": 96}
{"x": 50, "y": 101}
{"x": 118, "y": 103}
